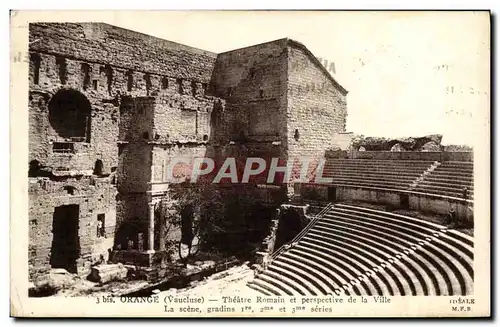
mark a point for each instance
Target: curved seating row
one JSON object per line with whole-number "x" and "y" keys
{"x": 392, "y": 174}
{"x": 449, "y": 179}
{"x": 360, "y": 251}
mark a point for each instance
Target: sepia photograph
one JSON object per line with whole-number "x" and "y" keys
{"x": 250, "y": 164}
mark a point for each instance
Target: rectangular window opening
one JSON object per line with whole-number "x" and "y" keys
{"x": 63, "y": 147}
{"x": 35, "y": 58}
{"x": 101, "y": 225}
{"x": 63, "y": 72}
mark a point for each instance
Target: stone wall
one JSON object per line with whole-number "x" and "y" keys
{"x": 100, "y": 62}
{"x": 316, "y": 105}
{"x": 426, "y": 203}
{"x": 132, "y": 214}
{"x": 46, "y": 137}
{"x": 183, "y": 117}
{"x": 440, "y": 206}
{"x": 252, "y": 80}
{"x": 134, "y": 171}
{"x": 123, "y": 49}
{"x": 94, "y": 196}
{"x": 103, "y": 99}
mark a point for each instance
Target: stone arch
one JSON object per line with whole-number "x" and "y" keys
{"x": 69, "y": 189}
{"x": 69, "y": 115}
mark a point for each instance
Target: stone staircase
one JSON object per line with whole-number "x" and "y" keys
{"x": 449, "y": 179}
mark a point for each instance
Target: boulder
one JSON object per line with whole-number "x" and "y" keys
{"x": 103, "y": 274}
{"x": 430, "y": 147}
{"x": 55, "y": 280}
{"x": 406, "y": 143}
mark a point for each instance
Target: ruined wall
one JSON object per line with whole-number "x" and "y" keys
{"x": 136, "y": 119}
{"x": 133, "y": 102}
{"x": 123, "y": 49}
{"x": 48, "y": 137}
{"x": 163, "y": 155}
{"x": 132, "y": 218}
{"x": 184, "y": 116}
{"x": 114, "y": 73}
{"x": 134, "y": 171}
{"x": 316, "y": 105}
{"x": 94, "y": 196}
{"x": 101, "y": 62}
{"x": 342, "y": 140}
{"x": 252, "y": 80}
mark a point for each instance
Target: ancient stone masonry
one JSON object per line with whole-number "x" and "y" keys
{"x": 63, "y": 224}
{"x": 316, "y": 105}
{"x": 109, "y": 109}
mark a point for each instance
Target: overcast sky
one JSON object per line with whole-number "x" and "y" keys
{"x": 408, "y": 74}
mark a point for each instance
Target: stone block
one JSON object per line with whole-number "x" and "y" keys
{"x": 103, "y": 274}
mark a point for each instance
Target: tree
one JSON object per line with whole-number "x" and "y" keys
{"x": 197, "y": 208}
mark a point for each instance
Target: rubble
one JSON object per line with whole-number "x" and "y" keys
{"x": 362, "y": 143}
{"x": 105, "y": 273}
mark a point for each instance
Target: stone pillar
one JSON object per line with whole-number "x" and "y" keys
{"x": 162, "y": 233}
{"x": 151, "y": 228}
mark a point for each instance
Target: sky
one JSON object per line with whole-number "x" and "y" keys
{"x": 407, "y": 73}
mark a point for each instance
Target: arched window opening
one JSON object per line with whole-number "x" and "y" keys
{"x": 69, "y": 115}
{"x": 98, "y": 167}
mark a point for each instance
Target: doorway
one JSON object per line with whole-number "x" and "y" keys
{"x": 65, "y": 243}
{"x": 289, "y": 226}
{"x": 332, "y": 194}
{"x": 404, "y": 201}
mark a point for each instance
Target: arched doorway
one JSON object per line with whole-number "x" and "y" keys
{"x": 69, "y": 115}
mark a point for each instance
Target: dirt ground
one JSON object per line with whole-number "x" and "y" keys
{"x": 229, "y": 282}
